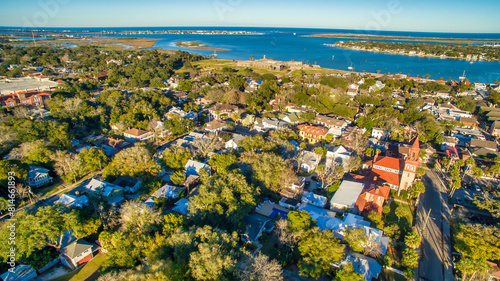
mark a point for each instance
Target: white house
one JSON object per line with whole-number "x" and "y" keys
{"x": 380, "y": 133}
{"x": 38, "y": 176}
{"x": 73, "y": 201}
{"x": 134, "y": 135}
{"x": 308, "y": 160}
{"x": 113, "y": 193}
{"x": 338, "y": 155}
{"x": 78, "y": 252}
{"x": 193, "y": 168}
{"x": 233, "y": 142}
{"x": 314, "y": 199}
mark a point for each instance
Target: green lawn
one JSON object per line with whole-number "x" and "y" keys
{"x": 387, "y": 275}
{"x": 91, "y": 270}
{"x": 405, "y": 223}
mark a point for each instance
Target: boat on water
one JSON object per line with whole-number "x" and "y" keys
{"x": 350, "y": 67}
{"x": 294, "y": 33}
{"x": 333, "y": 57}
{"x": 462, "y": 77}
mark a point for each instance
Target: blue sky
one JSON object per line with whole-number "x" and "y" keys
{"x": 480, "y": 16}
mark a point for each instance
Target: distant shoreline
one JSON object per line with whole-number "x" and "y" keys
{"x": 405, "y": 38}
{"x": 199, "y": 46}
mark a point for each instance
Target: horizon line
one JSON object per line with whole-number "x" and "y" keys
{"x": 243, "y": 26}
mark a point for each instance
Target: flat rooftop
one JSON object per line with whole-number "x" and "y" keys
{"x": 12, "y": 85}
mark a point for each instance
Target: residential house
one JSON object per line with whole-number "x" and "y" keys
{"x": 294, "y": 189}
{"x": 113, "y": 193}
{"x": 376, "y": 87}
{"x": 495, "y": 129}
{"x": 429, "y": 102}
{"x": 353, "y": 89}
{"x": 307, "y": 160}
{"x": 380, "y": 133}
{"x": 372, "y": 198}
{"x": 337, "y": 156}
{"x": 289, "y": 203}
{"x": 442, "y": 94}
{"x": 38, "y": 176}
{"x": 133, "y": 135}
{"x": 182, "y": 206}
{"x": 270, "y": 124}
{"x": 21, "y": 272}
{"x": 73, "y": 201}
{"x": 215, "y": 126}
{"x": 129, "y": 184}
{"x": 233, "y": 142}
{"x": 350, "y": 134}
{"x": 79, "y": 252}
{"x": 339, "y": 228}
{"x": 491, "y": 145}
{"x": 334, "y": 125}
{"x": 222, "y": 111}
{"x": 179, "y": 97}
{"x": 468, "y": 122}
{"x": 314, "y": 199}
{"x": 449, "y": 142}
{"x": 193, "y": 168}
{"x": 290, "y": 117}
{"x": 312, "y": 134}
{"x": 112, "y": 146}
{"x": 346, "y": 196}
{"x": 176, "y": 111}
{"x": 255, "y": 225}
{"x": 167, "y": 191}
{"x": 320, "y": 215}
{"x": 368, "y": 267}
{"x": 246, "y": 119}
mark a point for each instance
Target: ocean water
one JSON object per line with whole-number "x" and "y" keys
{"x": 288, "y": 44}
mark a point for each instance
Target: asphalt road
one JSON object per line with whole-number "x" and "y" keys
{"x": 435, "y": 247}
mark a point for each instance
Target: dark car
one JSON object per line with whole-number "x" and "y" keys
{"x": 314, "y": 178}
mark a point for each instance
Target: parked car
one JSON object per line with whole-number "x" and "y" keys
{"x": 477, "y": 188}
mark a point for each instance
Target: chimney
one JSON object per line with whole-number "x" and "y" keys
{"x": 375, "y": 158}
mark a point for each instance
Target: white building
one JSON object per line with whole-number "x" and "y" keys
{"x": 346, "y": 196}
{"x": 337, "y": 156}
{"x": 134, "y": 135}
{"x": 380, "y": 133}
{"x": 38, "y": 176}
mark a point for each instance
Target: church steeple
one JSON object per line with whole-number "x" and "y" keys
{"x": 414, "y": 151}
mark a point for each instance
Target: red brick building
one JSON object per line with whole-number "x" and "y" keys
{"x": 28, "y": 99}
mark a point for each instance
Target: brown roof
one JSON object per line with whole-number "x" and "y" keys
{"x": 313, "y": 130}
{"x": 468, "y": 120}
{"x": 329, "y": 121}
{"x": 136, "y": 132}
{"x": 224, "y": 107}
{"x": 483, "y": 143}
